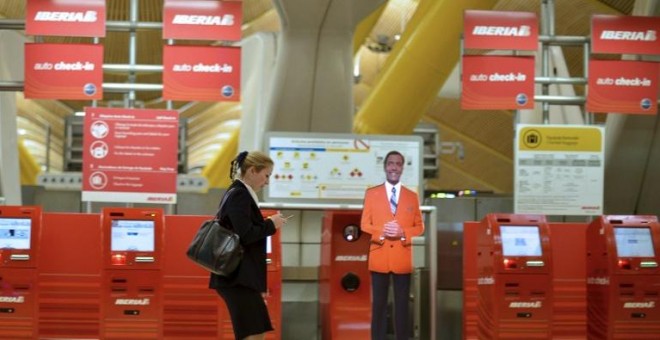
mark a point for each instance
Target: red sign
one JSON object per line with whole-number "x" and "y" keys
{"x": 500, "y": 30}
{"x": 497, "y": 83}
{"x": 202, "y": 20}
{"x": 617, "y": 86}
{"x": 201, "y": 73}
{"x": 63, "y": 71}
{"x": 130, "y": 155}
{"x": 65, "y": 18}
{"x": 625, "y": 34}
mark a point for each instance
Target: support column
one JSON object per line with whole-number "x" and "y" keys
{"x": 11, "y": 69}
{"x": 312, "y": 87}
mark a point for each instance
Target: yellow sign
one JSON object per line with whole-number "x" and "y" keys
{"x": 570, "y": 138}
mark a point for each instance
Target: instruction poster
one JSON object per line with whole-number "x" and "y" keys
{"x": 336, "y": 168}
{"x": 559, "y": 170}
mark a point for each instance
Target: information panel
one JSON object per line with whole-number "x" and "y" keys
{"x": 336, "y": 168}
{"x": 130, "y": 155}
{"x": 559, "y": 170}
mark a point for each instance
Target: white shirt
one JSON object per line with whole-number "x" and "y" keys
{"x": 251, "y": 191}
{"x": 388, "y": 188}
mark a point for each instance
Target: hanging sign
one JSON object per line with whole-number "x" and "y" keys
{"x": 201, "y": 73}
{"x": 559, "y": 169}
{"x": 497, "y": 83}
{"x": 63, "y": 71}
{"x": 500, "y": 30}
{"x": 625, "y": 34}
{"x": 202, "y": 20}
{"x": 130, "y": 155}
{"x": 618, "y": 86}
{"x": 65, "y": 18}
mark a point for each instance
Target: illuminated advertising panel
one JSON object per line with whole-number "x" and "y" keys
{"x": 331, "y": 168}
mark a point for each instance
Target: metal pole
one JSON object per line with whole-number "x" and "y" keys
{"x": 132, "y": 50}
{"x": 48, "y": 137}
{"x": 588, "y": 116}
{"x": 431, "y": 251}
{"x": 168, "y": 104}
{"x": 545, "y": 62}
{"x": 113, "y": 26}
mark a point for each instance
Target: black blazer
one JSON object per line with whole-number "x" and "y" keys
{"x": 242, "y": 214}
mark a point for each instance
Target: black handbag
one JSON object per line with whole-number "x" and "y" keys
{"x": 216, "y": 248}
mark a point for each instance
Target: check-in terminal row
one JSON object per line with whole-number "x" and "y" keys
{"x": 526, "y": 278}
{"x": 123, "y": 274}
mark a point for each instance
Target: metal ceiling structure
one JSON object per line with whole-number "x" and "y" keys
{"x": 486, "y": 136}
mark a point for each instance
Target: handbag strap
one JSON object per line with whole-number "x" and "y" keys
{"x": 222, "y": 203}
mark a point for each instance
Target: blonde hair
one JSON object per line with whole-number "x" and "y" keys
{"x": 245, "y": 160}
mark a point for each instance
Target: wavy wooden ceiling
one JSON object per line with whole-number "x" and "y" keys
{"x": 486, "y": 135}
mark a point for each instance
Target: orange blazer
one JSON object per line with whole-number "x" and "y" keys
{"x": 391, "y": 255}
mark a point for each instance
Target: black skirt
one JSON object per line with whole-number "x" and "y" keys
{"x": 248, "y": 311}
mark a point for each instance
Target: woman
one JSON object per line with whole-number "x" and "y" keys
{"x": 243, "y": 290}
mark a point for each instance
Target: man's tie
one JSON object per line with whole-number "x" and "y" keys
{"x": 393, "y": 201}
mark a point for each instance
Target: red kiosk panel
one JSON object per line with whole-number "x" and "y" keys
{"x": 190, "y": 309}
{"x": 132, "y": 278}
{"x": 623, "y": 277}
{"x": 70, "y": 267}
{"x": 20, "y": 231}
{"x": 514, "y": 285}
{"x": 345, "y": 282}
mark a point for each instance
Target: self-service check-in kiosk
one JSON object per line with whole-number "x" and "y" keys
{"x": 514, "y": 285}
{"x": 190, "y": 309}
{"x": 131, "y": 281}
{"x": 623, "y": 278}
{"x": 345, "y": 284}
{"x": 19, "y": 239}
{"x": 69, "y": 278}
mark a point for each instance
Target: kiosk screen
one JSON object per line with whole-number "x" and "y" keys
{"x": 520, "y": 241}
{"x": 634, "y": 242}
{"x": 132, "y": 235}
{"x": 15, "y": 233}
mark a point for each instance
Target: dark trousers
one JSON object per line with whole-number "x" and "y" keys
{"x": 380, "y": 284}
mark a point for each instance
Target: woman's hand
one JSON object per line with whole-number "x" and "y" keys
{"x": 278, "y": 219}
